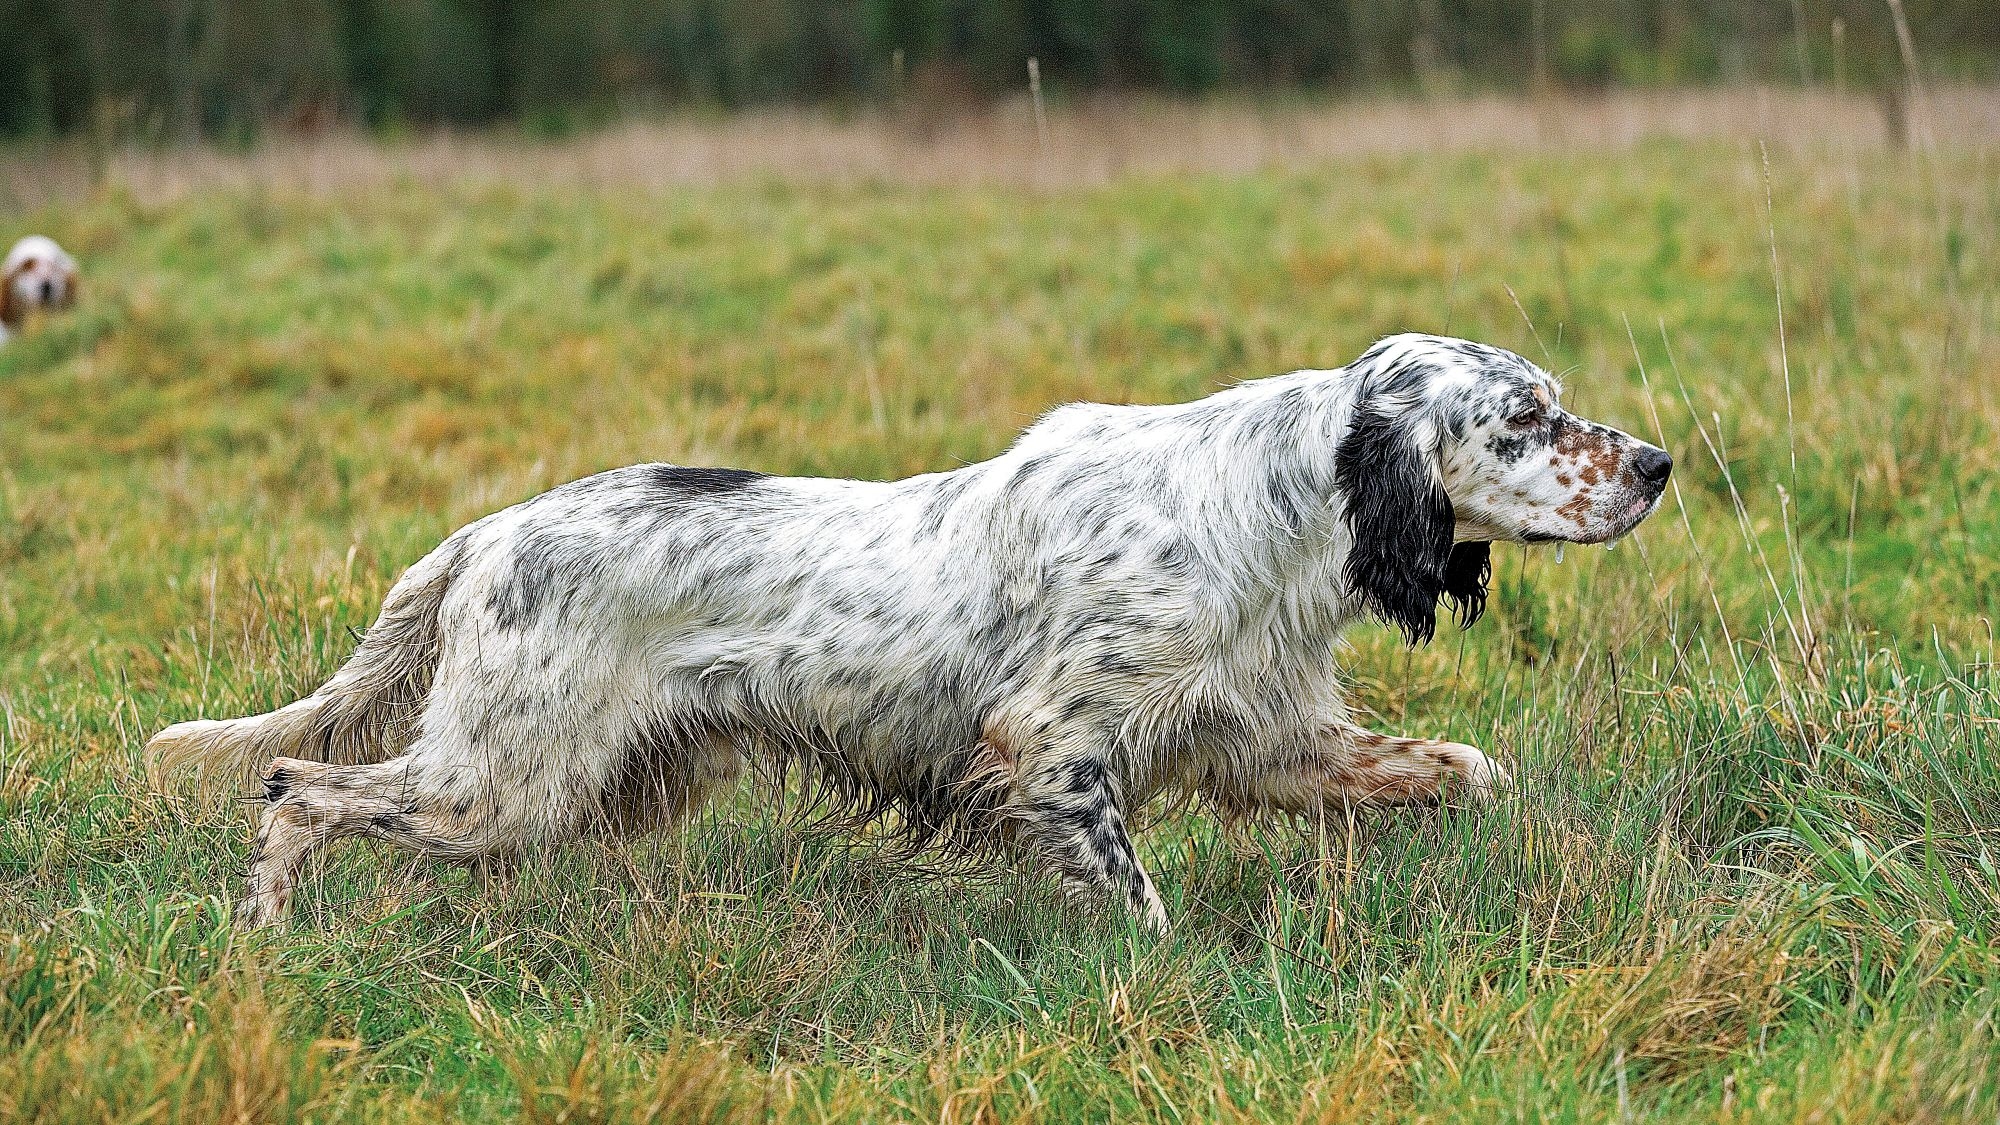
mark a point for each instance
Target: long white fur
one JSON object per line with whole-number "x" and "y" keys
{"x": 1020, "y": 653}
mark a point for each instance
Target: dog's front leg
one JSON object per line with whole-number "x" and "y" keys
{"x": 1346, "y": 766}
{"x": 1069, "y": 798}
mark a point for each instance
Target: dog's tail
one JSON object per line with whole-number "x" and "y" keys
{"x": 366, "y": 713}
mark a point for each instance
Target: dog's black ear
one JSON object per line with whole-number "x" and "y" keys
{"x": 1400, "y": 518}
{"x": 1465, "y": 576}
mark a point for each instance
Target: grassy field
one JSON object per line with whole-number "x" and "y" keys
{"x": 1749, "y": 874}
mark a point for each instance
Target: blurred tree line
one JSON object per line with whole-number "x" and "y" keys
{"x": 222, "y": 68}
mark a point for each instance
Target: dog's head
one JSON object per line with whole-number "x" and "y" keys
{"x": 1453, "y": 445}
{"x": 36, "y": 274}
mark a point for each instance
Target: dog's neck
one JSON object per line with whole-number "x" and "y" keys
{"x": 1284, "y": 543}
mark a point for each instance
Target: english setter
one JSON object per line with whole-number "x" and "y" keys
{"x": 1018, "y": 654}
{"x": 35, "y": 274}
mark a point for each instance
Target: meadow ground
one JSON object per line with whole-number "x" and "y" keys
{"x": 1749, "y": 873}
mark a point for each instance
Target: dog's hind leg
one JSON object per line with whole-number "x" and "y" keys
{"x": 488, "y": 780}
{"x": 313, "y": 804}
{"x": 1073, "y": 811}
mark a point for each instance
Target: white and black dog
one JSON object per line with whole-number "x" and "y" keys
{"x": 1132, "y": 601}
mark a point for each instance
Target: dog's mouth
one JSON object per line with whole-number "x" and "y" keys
{"x": 1631, "y": 516}
{"x": 1613, "y": 528}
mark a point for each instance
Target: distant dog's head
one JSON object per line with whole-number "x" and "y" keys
{"x": 36, "y": 274}
{"x": 1453, "y": 445}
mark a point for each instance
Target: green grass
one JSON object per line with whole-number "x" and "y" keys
{"x": 1749, "y": 875}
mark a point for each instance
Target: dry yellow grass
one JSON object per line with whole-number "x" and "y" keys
{"x": 1084, "y": 144}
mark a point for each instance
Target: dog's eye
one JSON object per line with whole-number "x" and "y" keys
{"x": 1526, "y": 417}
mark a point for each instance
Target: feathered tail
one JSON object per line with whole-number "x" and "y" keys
{"x": 365, "y": 713}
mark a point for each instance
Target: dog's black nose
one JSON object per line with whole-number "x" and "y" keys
{"x": 1654, "y": 466}
{"x": 48, "y": 291}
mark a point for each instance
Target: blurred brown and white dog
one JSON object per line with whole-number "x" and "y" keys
{"x": 37, "y": 274}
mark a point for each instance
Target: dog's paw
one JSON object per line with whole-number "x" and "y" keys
{"x": 259, "y": 910}
{"x": 1475, "y": 774}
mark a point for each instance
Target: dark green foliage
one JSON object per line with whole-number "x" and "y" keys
{"x": 179, "y": 68}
